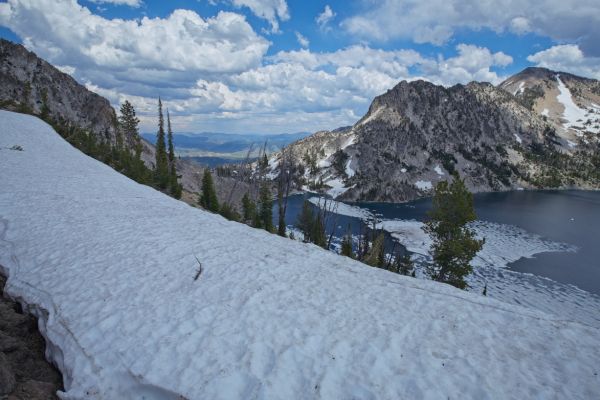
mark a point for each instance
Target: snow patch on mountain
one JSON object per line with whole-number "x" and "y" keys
{"x": 575, "y": 117}
{"x": 518, "y": 139}
{"x": 423, "y": 185}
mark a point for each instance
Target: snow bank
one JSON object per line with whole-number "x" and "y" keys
{"x": 108, "y": 266}
{"x": 575, "y": 117}
{"x": 423, "y": 185}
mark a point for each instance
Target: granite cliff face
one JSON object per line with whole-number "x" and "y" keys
{"x": 418, "y": 133}
{"x": 30, "y": 84}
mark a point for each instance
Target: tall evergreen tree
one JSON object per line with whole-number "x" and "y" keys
{"x": 174, "y": 186}
{"x": 129, "y": 131}
{"x": 317, "y": 234}
{"x": 208, "y": 198}
{"x": 248, "y": 208}
{"x": 376, "y": 256}
{"x": 404, "y": 264}
{"x": 162, "y": 162}
{"x": 347, "y": 244}
{"x": 171, "y": 148}
{"x": 454, "y": 243}
{"x": 266, "y": 208}
{"x": 305, "y": 221}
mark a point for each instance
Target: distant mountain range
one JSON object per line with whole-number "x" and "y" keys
{"x": 538, "y": 129}
{"x": 219, "y": 148}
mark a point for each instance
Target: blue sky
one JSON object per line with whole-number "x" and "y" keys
{"x": 275, "y": 66}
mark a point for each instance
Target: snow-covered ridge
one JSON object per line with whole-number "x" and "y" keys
{"x": 109, "y": 267}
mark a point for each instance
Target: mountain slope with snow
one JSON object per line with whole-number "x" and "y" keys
{"x": 538, "y": 129}
{"x": 108, "y": 266}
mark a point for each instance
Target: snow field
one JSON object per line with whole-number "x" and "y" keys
{"x": 108, "y": 267}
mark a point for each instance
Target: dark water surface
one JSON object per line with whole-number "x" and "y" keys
{"x": 571, "y": 217}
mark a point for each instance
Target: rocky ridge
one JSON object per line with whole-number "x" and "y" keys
{"x": 496, "y": 138}
{"x": 32, "y": 85}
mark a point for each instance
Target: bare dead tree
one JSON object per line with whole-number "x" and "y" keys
{"x": 242, "y": 169}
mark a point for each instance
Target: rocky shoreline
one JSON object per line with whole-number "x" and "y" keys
{"x": 25, "y": 374}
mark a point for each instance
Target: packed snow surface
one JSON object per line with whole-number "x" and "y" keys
{"x": 423, "y": 185}
{"x": 108, "y": 266}
{"x": 337, "y": 187}
{"x": 438, "y": 170}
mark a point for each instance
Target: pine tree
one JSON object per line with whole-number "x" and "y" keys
{"x": 248, "y": 208}
{"x": 208, "y": 198}
{"x": 228, "y": 212}
{"x": 317, "y": 233}
{"x": 44, "y": 110}
{"x": 162, "y": 162}
{"x": 266, "y": 208}
{"x": 347, "y": 244}
{"x": 404, "y": 264}
{"x": 174, "y": 186}
{"x": 454, "y": 243}
{"x": 171, "y": 149}
{"x": 375, "y": 256}
{"x": 305, "y": 221}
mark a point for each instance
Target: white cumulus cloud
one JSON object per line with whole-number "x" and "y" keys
{"x": 435, "y": 21}
{"x": 273, "y": 11}
{"x": 130, "y": 3}
{"x": 326, "y": 16}
{"x": 567, "y": 58}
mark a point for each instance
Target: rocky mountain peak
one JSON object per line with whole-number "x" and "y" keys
{"x": 495, "y": 137}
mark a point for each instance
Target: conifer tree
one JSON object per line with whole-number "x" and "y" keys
{"x": 454, "y": 243}
{"x": 174, "y": 186}
{"x": 162, "y": 162}
{"x": 317, "y": 234}
{"x": 171, "y": 149}
{"x": 229, "y": 212}
{"x": 375, "y": 256}
{"x": 347, "y": 244}
{"x": 248, "y": 208}
{"x": 305, "y": 221}
{"x": 404, "y": 264}
{"x": 208, "y": 198}
{"x": 128, "y": 130}
{"x": 266, "y": 208}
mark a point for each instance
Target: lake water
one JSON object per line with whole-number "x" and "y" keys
{"x": 542, "y": 250}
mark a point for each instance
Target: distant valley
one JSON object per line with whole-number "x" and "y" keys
{"x": 213, "y": 149}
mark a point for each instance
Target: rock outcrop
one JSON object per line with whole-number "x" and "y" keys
{"x": 24, "y": 372}
{"x": 30, "y": 84}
